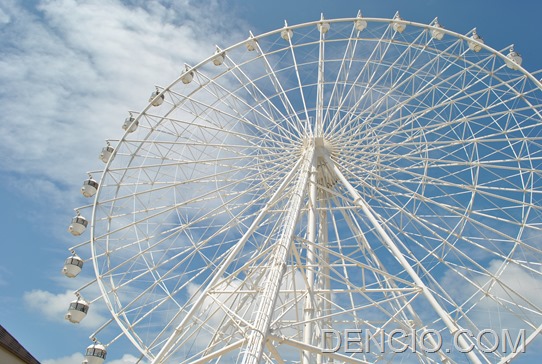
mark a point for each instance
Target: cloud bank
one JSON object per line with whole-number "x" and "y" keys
{"x": 73, "y": 69}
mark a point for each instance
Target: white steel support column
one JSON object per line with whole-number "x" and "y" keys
{"x": 259, "y": 332}
{"x": 324, "y": 282}
{"x": 319, "y": 127}
{"x": 310, "y": 264}
{"x": 322, "y": 236}
{"x": 390, "y": 244}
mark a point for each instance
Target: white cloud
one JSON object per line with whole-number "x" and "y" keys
{"x": 73, "y": 69}
{"x": 126, "y": 359}
{"x": 74, "y": 358}
{"x": 515, "y": 284}
{"x": 4, "y": 18}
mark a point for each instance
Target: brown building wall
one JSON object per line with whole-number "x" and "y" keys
{"x": 7, "y": 357}
{"x": 12, "y": 352}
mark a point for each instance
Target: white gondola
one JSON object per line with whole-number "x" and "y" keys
{"x": 106, "y": 153}
{"x": 218, "y": 59}
{"x": 73, "y": 266}
{"x": 396, "y": 25}
{"x": 187, "y": 77}
{"x": 77, "y": 311}
{"x": 78, "y": 225}
{"x": 156, "y": 98}
{"x": 474, "y": 43}
{"x": 437, "y": 33}
{"x": 513, "y": 59}
{"x": 95, "y": 354}
{"x": 89, "y": 187}
{"x": 286, "y": 34}
{"x": 130, "y": 124}
{"x": 360, "y": 23}
{"x": 251, "y": 44}
{"x": 323, "y": 27}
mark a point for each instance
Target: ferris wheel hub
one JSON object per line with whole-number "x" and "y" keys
{"x": 323, "y": 147}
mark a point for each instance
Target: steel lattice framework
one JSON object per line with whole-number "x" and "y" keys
{"x": 363, "y": 174}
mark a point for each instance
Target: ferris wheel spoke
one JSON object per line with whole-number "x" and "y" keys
{"x": 159, "y": 282}
{"x": 493, "y": 280}
{"x": 405, "y": 54}
{"x": 344, "y": 71}
{"x": 382, "y": 42}
{"x": 258, "y": 94}
{"x": 500, "y": 183}
{"x": 161, "y": 210}
{"x": 439, "y": 57}
{"x": 427, "y": 87}
{"x": 173, "y": 232}
{"x": 233, "y": 148}
{"x": 413, "y": 132}
{"x": 447, "y": 149}
{"x": 280, "y": 158}
{"x": 366, "y": 69}
{"x": 398, "y": 300}
{"x": 457, "y": 123}
{"x": 462, "y": 188}
{"x": 176, "y": 122}
{"x": 452, "y": 326}
{"x": 179, "y": 163}
{"x": 503, "y": 171}
{"x": 258, "y": 108}
{"x": 387, "y": 282}
{"x": 202, "y": 109}
{"x": 296, "y": 123}
{"x": 282, "y": 94}
{"x": 473, "y": 266}
{"x": 441, "y": 242}
{"x": 218, "y": 164}
{"x": 300, "y": 85}
{"x": 441, "y": 145}
{"x": 449, "y": 102}
{"x": 157, "y": 265}
{"x": 405, "y": 121}
{"x": 459, "y": 270}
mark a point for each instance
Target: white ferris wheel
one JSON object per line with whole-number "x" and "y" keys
{"x": 306, "y": 186}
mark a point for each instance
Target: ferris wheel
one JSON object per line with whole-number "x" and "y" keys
{"x": 303, "y": 188}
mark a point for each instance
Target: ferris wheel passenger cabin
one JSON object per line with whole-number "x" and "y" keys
{"x": 77, "y": 311}
{"x": 89, "y": 187}
{"x": 72, "y": 266}
{"x": 95, "y": 354}
{"x": 78, "y": 225}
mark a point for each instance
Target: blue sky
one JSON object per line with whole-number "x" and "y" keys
{"x": 70, "y": 72}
